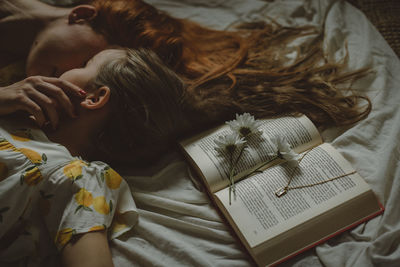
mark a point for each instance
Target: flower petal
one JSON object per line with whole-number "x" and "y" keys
{"x": 244, "y": 125}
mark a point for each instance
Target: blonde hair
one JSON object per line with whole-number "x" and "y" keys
{"x": 146, "y": 112}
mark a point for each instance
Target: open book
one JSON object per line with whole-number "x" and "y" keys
{"x": 275, "y": 228}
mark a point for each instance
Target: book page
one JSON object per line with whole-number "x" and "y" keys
{"x": 298, "y": 131}
{"x": 260, "y": 215}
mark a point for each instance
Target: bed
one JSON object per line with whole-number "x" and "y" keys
{"x": 178, "y": 225}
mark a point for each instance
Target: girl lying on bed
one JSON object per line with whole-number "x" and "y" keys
{"x": 131, "y": 98}
{"x": 227, "y": 72}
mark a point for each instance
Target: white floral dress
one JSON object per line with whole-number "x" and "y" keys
{"x": 42, "y": 184}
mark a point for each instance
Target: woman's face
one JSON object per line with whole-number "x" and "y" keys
{"x": 81, "y": 76}
{"x": 63, "y": 47}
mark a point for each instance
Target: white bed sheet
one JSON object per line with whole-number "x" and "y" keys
{"x": 179, "y": 227}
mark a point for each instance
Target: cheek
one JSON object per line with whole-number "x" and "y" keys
{"x": 75, "y": 58}
{"x": 78, "y": 77}
{"x": 37, "y": 62}
{"x": 53, "y": 58}
{"x": 66, "y": 63}
{"x": 78, "y": 52}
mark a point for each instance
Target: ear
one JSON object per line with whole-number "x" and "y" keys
{"x": 82, "y": 13}
{"x": 97, "y": 99}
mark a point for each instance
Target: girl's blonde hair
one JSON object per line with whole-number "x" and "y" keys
{"x": 146, "y": 110}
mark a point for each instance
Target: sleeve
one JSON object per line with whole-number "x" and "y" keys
{"x": 82, "y": 197}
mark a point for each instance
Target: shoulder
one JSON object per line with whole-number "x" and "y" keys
{"x": 107, "y": 174}
{"x": 34, "y": 144}
{"x": 78, "y": 169}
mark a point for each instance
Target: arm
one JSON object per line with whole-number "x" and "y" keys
{"x": 89, "y": 250}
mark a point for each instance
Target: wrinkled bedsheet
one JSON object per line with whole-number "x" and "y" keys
{"x": 178, "y": 226}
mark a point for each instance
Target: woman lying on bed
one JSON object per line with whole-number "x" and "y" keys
{"x": 49, "y": 191}
{"x": 227, "y": 72}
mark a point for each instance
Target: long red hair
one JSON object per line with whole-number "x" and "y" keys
{"x": 245, "y": 70}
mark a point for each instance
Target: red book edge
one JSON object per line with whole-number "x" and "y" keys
{"x": 332, "y": 235}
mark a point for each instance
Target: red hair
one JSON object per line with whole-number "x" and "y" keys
{"x": 193, "y": 51}
{"x": 135, "y": 24}
{"x": 237, "y": 71}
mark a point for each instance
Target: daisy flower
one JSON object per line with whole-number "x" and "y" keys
{"x": 229, "y": 142}
{"x": 285, "y": 151}
{"x": 244, "y": 125}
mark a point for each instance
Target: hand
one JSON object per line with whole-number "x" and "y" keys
{"x": 41, "y": 97}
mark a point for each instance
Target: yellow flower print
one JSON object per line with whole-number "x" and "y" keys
{"x": 84, "y": 199}
{"x": 74, "y": 169}
{"x": 22, "y": 135}
{"x": 3, "y": 171}
{"x": 44, "y": 203}
{"x": 118, "y": 223}
{"x": 31, "y": 176}
{"x": 33, "y": 156}
{"x": 5, "y": 145}
{"x": 112, "y": 178}
{"x": 64, "y": 236}
{"x": 101, "y": 206}
{"x": 97, "y": 228}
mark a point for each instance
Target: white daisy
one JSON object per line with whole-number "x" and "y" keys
{"x": 229, "y": 142}
{"x": 284, "y": 151}
{"x": 244, "y": 125}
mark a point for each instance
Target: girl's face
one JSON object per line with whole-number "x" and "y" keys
{"x": 82, "y": 76}
{"x": 61, "y": 48}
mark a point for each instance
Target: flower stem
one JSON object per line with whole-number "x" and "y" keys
{"x": 232, "y": 186}
{"x": 230, "y": 176}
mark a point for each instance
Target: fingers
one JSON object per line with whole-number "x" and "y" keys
{"x": 34, "y": 109}
{"x": 48, "y": 94}
{"x": 66, "y": 86}
{"x": 59, "y": 90}
{"x": 44, "y": 103}
{"x": 55, "y": 92}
